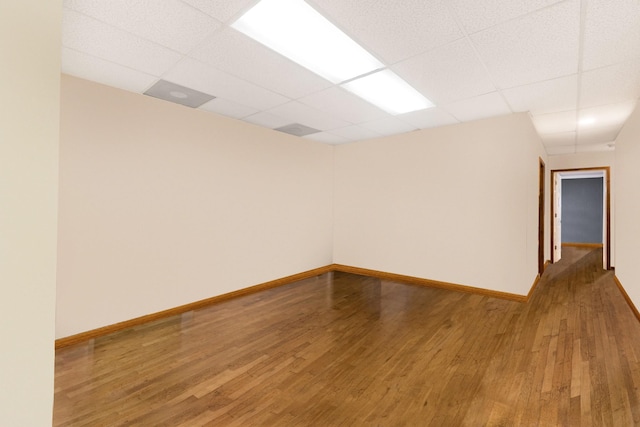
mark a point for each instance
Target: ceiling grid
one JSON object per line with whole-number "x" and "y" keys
{"x": 574, "y": 65}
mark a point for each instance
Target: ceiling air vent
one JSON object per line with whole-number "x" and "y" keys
{"x": 297, "y": 129}
{"x": 179, "y": 94}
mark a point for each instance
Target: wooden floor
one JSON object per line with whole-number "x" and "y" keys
{"x": 348, "y": 350}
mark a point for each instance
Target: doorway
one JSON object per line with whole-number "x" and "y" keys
{"x": 541, "y": 173}
{"x": 590, "y": 188}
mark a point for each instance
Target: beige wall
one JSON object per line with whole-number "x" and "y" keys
{"x": 455, "y": 204}
{"x": 582, "y": 160}
{"x": 627, "y": 228}
{"x": 29, "y": 107}
{"x": 162, "y": 205}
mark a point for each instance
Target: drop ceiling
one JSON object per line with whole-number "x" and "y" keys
{"x": 574, "y": 65}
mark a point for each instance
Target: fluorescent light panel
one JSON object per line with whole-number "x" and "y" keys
{"x": 297, "y": 31}
{"x": 389, "y": 92}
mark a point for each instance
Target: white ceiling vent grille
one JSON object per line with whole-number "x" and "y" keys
{"x": 179, "y": 94}
{"x": 297, "y": 129}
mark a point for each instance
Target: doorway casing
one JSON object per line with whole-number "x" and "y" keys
{"x": 607, "y": 212}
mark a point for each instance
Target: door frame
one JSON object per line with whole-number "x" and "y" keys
{"x": 541, "y": 176}
{"x": 607, "y": 215}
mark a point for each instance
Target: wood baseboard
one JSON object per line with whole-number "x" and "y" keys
{"x": 533, "y": 287}
{"x": 583, "y": 245}
{"x": 427, "y": 282}
{"x": 105, "y": 330}
{"x": 626, "y": 297}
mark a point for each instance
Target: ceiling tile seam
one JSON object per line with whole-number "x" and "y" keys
{"x": 479, "y": 57}
{"x": 431, "y": 49}
{"x": 206, "y": 64}
{"x": 229, "y": 74}
{"x": 180, "y": 54}
{"x": 323, "y": 12}
{"x": 205, "y": 39}
{"x": 156, "y": 78}
{"x": 329, "y": 113}
{"x": 124, "y": 30}
{"x": 627, "y": 61}
{"x": 583, "y": 20}
{"x": 515, "y": 18}
{"x": 109, "y": 61}
{"x": 386, "y": 65}
{"x": 189, "y": 5}
{"x": 212, "y": 35}
{"x": 539, "y": 81}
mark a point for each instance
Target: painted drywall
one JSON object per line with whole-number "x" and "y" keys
{"x": 627, "y": 230}
{"x": 582, "y": 160}
{"x": 582, "y": 213}
{"x": 30, "y": 34}
{"x": 162, "y": 205}
{"x": 457, "y": 204}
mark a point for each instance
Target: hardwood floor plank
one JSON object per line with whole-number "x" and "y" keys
{"x": 343, "y": 349}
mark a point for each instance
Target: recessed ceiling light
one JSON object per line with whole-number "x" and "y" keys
{"x": 586, "y": 121}
{"x": 389, "y": 92}
{"x": 297, "y": 31}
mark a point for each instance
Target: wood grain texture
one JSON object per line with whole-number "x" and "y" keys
{"x": 582, "y": 245}
{"x": 428, "y": 282}
{"x": 627, "y": 298}
{"x": 106, "y": 330}
{"x": 345, "y": 349}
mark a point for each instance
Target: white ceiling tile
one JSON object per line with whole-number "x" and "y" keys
{"x": 606, "y": 115}
{"x": 608, "y": 85}
{"x": 611, "y": 32}
{"x": 267, "y": 120}
{"x": 560, "y": 149}
{"x": 539, "y": 46}
{"x": 297, "y": 112}
{"x": 388, "y": 126}
{"x": 326, "y": 137}
{"x": 428, "y": 118}
{"x": 340, "y": 103}
{"x": 477, "y": 15}
{"x": 394, "y": 30}
{"x": 98, "y": 70}
{"x": 520, "y": 55}
{"x": 564, "y": 121}
{"x": 355, "y": 133}
{"x": 196, "y": 75}
{"x": 479, "y": 107}
{"x": 549, "y": 96}
{"x": 228, "y": 108}
{"x": 598, "y": 135}
{"x": 603, "y": 146}
{"x": 169, "y": 23}
{"x": 237, "y": 54}
{"x": 88, "y": 35}
{"x": 222, "y": 10}
{"x": 447, "y": 73}
{"x": 559, "y": 139}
